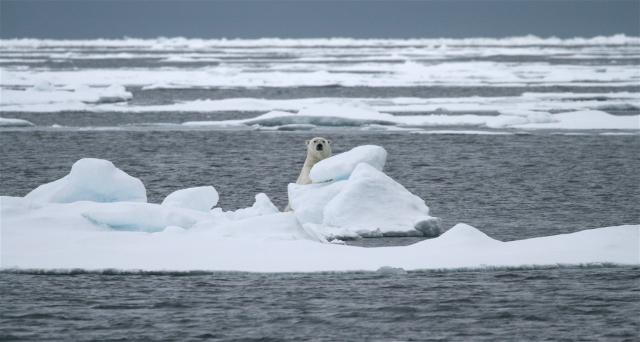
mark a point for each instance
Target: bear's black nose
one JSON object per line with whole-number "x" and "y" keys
{"x": 319, "y": 147}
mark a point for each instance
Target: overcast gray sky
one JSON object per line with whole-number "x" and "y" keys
{"x": 300, "y": 19}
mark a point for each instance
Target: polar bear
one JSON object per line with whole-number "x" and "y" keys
{"x": 318, "y": 148}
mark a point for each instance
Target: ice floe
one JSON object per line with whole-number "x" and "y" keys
{"x": 90, "y": 220}
{"x": 44, "y": 96}
{"x": 587, "y": 119}
{"x": 548, "y": 102}
{"x": 409, "y": 74}
{"x": 53, "y": 237}
{"x": 12, "y": 122}
{"x": 182, "y": 43}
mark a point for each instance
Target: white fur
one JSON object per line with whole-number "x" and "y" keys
{"x": 313, "y": 156}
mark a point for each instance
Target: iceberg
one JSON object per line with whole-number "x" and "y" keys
{"x": 94, "y": 180}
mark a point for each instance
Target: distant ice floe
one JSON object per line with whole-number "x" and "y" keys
{"x": 364, "y": 113}
{"x": 191, "y": 43}
{"x": 12, "y": 122}
{"x": 47, "y": 97}
{"x": 408, "y": 74}
{"x": 97, "y": 218}
{"x": 359, "y": 116}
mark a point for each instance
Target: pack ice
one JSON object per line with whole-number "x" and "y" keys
{"x": 97, "y": 217}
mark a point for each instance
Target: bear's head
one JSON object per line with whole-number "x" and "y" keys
{"x": 318, "y": 148}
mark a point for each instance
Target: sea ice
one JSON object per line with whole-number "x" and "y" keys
{"x": 586, "y": 119}
{"x": 80, "y": 231}
{"x": 508, "y": 118}
{"x": 44, "y": 96}
{"x": 94, "y": 180}
{"x": 55, "y": 236}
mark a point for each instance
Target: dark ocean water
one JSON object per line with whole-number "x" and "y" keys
{"x": 593, "y": 303}
{"x": 509, "y": 186}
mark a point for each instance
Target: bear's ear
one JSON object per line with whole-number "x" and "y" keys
{"x": 306, "y": 142}
{"x": 329, "y": 142}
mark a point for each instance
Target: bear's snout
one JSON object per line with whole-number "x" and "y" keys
{"x": 319, "y": 147}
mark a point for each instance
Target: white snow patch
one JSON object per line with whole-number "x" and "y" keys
{"x": 201, "y": 198}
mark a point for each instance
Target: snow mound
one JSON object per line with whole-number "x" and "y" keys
{"x": 94, "y": 180}
{"x": 371, "y": 203}
{"x": 201, "y": 198}
{"x": 11, "y": 122}
{"x": 340, "y": 166}
{"x": 367, "y": 204}
{"x": 262, "y": 206}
